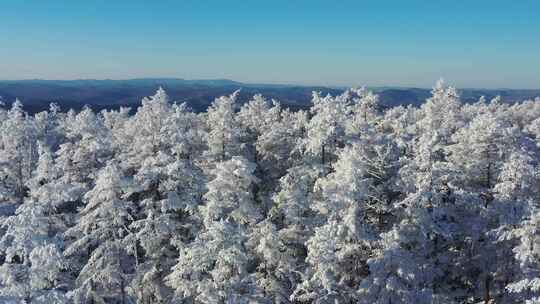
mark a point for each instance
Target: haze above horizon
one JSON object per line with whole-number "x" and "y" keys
{"x": 480, "y": 44}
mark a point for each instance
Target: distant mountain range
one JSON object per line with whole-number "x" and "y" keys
{"x": 199, "y": 94}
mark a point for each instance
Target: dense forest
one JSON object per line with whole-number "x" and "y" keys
{"x": 347, "y": 202}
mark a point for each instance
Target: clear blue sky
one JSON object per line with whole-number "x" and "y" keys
{"x": 405, "y": 43}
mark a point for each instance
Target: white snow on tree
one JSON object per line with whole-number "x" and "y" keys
{"x": 348, "y": 201}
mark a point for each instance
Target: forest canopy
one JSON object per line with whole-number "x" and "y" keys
{"x": 347, "y": 202}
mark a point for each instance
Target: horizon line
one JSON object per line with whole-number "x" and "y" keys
{"x": 297, "y": 84}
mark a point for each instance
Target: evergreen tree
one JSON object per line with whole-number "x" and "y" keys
{"x": 95, "y": 247}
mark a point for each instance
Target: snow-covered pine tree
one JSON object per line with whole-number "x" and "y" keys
{"x": 223, "y": 129}
{"x": 31, "y": 245}
{"x": 18, "y": 153}
{"x": 326, "y": 128}
{"x": 95, "y": 245}
{"x": 215, "y": 266}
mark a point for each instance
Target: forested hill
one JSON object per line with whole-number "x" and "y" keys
{"x": 346, "y": 202}
{"x": 198, "y": 94}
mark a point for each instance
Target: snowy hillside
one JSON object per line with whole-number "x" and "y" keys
{"x": 347, "y": 202}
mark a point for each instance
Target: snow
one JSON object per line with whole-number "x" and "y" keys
{"x": 345, "y": 203}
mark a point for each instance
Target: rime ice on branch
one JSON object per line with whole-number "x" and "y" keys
{"x": 347, "y": 202}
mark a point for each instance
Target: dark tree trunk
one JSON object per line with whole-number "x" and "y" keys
{"x": 487, "y": 296}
